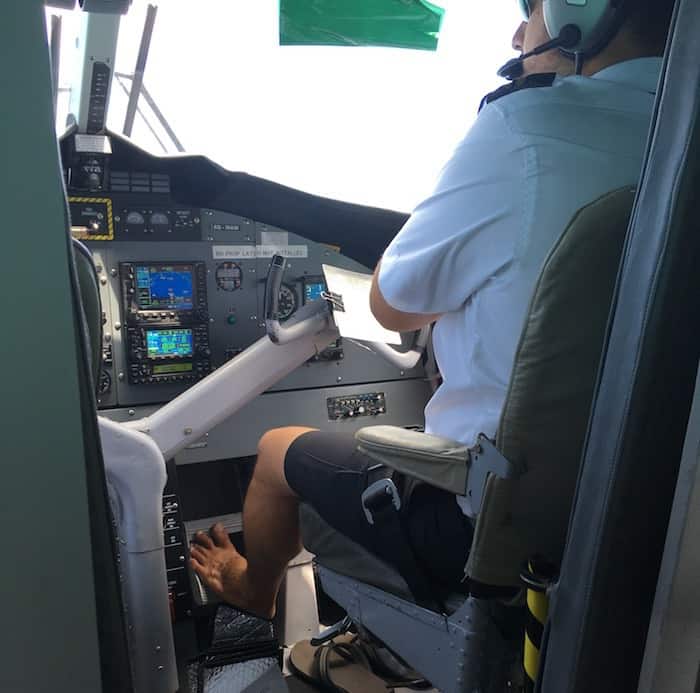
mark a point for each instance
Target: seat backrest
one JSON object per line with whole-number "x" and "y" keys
{"x": 545, "y": 416}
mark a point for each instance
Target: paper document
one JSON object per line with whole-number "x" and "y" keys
{"x": 352, "y": 315}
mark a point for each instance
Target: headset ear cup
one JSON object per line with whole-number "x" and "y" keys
{"x": 598, "y": 20}
{"x": 549, "y": 12}
{"x": 525, "y": 9}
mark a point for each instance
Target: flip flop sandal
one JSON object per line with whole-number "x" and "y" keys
{"x": 339, "y": 666}
{"x": 392, "y": 679}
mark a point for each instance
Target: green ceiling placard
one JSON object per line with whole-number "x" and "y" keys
{"x": 394, "y": 23}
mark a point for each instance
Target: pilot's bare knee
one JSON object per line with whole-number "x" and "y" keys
{"x": 273, "y": 445}
{"x": 272, "y": 449}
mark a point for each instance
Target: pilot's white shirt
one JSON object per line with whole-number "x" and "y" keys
{"x": 474, "y": 248}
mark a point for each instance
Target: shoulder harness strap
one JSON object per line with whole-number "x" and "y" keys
{"x": 544, "y": 79}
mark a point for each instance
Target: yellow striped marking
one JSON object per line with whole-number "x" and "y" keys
{"x": 538, "y": 604}
{"x": 80, "y": 234}
{"x": 531, "y": 659}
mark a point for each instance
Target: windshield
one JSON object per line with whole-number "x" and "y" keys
{"x": 367, "y": 125}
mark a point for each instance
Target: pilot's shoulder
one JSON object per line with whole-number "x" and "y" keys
{"x": 538, "y": 81}
{"x": 538, "y": 102}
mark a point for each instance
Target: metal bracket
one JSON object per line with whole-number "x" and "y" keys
{"x": 335, "y": 300}
{"x": 378, "y": 495}
{"x": 334, "y": 631}
{"x": 106, "y": 6}
{"x": 485, "y": 459}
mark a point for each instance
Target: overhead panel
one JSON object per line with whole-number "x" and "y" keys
{"x": 392, "y": 23}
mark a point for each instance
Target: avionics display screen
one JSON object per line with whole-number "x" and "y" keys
{"x": 313, "y": 290}
{"x": 173, "y": 343}
{"x": 164, "y": 287}
{"x": 172, "y": 368}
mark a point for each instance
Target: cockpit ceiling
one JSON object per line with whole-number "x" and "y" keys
{"x": 363, "y": 232}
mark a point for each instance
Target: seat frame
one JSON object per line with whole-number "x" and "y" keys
{"x": 459, "y": 653}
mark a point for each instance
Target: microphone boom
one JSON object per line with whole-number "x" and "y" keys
{"x": 569, "y": 36}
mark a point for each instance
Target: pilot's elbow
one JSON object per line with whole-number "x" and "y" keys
{"x": 388, "y": 323}
{"x": 381, "y": 315}
{"x": 389, "y": 318}
{"x": 373, "y": 303}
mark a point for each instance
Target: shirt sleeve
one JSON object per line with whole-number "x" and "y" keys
{"x": 466, "y": 232}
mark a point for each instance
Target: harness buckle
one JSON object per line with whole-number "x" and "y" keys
{"x": 378, "y": 496}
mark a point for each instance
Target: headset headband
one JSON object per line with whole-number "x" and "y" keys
{"x": 525, "y": 8}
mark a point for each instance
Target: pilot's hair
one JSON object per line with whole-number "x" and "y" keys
{"x": 649, "y": 22}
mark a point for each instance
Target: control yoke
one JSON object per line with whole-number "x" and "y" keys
{"x": 304, "y": 322}
{"x": 405, "y": 359}
{"x": 273, "y": 284}
{"x": 310, "y": 319}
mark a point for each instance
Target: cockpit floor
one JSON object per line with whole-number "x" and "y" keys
{"x": 296, "y": 685}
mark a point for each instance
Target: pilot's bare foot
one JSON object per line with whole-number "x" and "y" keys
{"x": 224, "y": 571}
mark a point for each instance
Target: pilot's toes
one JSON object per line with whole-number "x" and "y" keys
{"x": 198, "y": 554}
{"x": 203, "y": 539}
{"x": 220, "y": 536}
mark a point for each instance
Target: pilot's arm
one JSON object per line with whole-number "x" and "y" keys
{"x": 393, "y": 319}
{"x": 462, "y": 236}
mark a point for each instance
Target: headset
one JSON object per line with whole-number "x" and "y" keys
{"x": 597, "y": 20}
{"x": 579, "y": 28}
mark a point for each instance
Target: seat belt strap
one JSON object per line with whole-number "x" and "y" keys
{"x": 382, "y": 504}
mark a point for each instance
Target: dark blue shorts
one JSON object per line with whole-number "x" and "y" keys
{"x": 327, "y": 471}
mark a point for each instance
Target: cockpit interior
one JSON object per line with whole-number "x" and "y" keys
{"x": 164, "y": 312}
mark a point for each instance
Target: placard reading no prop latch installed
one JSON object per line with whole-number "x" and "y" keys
{"x": 250, "y": 252}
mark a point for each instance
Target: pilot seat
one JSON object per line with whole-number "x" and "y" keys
{"x": 521, "y": 486}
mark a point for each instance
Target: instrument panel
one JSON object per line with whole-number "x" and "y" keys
{"x": 183, "y": 293}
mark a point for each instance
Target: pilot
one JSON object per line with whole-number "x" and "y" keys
{"x": 467, "y": 260}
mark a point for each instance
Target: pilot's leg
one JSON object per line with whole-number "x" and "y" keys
{"x": 271, "y": 530}
{"x": 327, "y": 471}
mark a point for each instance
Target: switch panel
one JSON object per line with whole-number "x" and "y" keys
{"x": 366, "y": 404}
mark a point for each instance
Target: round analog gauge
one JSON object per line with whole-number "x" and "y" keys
{"x": 135, "y": 219}
{"x": 229, "y": 276}
{"x": 287, "y": 302}
{"x": 159, "y": 221}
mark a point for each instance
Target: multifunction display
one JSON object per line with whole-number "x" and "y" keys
{"x": 168, "y": 355}
{"x": 165, "y": 307}
{"x": 167, "y": 293}
{"x": 165, "y": 287}
{"x": 169, "y": 343}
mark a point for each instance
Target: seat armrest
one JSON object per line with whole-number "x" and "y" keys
{"x": 437, "y": 461}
